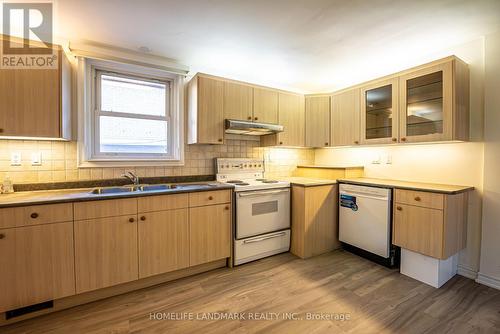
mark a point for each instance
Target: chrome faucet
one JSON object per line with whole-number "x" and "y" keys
{"x": 132, "y": 177}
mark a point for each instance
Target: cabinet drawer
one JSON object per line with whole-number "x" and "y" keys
{"x": 209, "y": 197}
{"x": 420, "y": 198}
{"x": 419, "y": 229}
{"x": 105, "y": 208}
{"x": 35, "y": 215}
{"x": 163, "y": 202}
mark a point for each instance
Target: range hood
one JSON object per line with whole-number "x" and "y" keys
{"x": 251, "y": 128}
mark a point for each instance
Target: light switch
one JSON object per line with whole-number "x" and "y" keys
{"x": 36, "y": 159}
{"x": 389, "y": 159}
{"x": 15, "y": 159}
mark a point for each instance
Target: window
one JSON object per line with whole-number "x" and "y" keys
{"x": 132, "y": 116}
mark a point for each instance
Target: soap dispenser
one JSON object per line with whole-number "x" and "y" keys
{"x": 7, "y": 186}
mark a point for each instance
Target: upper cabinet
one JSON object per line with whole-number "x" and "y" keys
{"x": 238, "y": 101}
{"x": 36, "y": 102}
{"x": 434, "y": 103}
{"x": 291, "y": 114}
{"x": 265, "y": 105}
{"x": 345, "y": 118}
{"x": 379, "y": 112}
{"x": 317, "y": 121}
{"x": 205, "y": 111}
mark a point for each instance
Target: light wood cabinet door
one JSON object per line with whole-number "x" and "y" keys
{"x": 206, "y": 111}
{"x": 238, "y": 101}
{"x": 419, "y": 229}
{"x": 317, "y": 121}
{"x": 30, "y": 103}
{"x": 380, "y": 112}
{"x": 265, "y": 106}
{"x": 345, "y": 118}
{"x": 163, "y": 242}
{"x": 37, "y": 264}
{"x": 209, "y": 233}
{"x": 292, "y": 116}
{"x": 426, "y": 99}
{"x": 314, "y": 220}
{"x": 105, "y": 252}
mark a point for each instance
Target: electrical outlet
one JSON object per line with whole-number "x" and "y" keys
{"x": 36, "y": 159}
{"x": 389, "y": 159}
{"x": 376, "y": 159}
{"x": 15, "y": 159}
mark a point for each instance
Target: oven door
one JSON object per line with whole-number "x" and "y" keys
{"x": 262, "y": 211}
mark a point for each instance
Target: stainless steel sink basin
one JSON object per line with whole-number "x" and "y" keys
{"x": 112, "y": 190}
{"x": 148, "y": 187}
{"x": 157, "y": 187}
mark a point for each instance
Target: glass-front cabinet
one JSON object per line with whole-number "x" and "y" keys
{"x": 426, "y": 104}
{"x": 380, "y": 112}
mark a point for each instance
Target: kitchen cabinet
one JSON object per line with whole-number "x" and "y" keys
{"x": 163, "y": 241}
{"x": 205, "y": 110}
{"x": 36, "y": 103}
{"x": 379, "y": 112}
{"x": 345, "y": 118}
{"x": 435, "y": 103}
{"x": 105, "y": 252}
{"x": 36, "y": 215}
{"x": 317, "y": 120}
{"x": 431, "y": 224}
{"x": 291, "y": 114}
{"x": 314, "y": 220}
{"x": 209, "y": 233}
{"x": 265, "y": 105}
{"x": 37, "y": 264}
{"x": 238, "y": 101}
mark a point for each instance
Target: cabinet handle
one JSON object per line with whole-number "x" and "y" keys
{"x": 403, "y": 139}
{"x": 210, "y": 198}
{"x": 394, "y": 139}
{"x": 226, "y": 208}
{"x": 219, "y": 140}
{"x": 281, "y": 143}
{"x": 1, "y": 130}
{"x": 143, "y": 218}
{"x": 34, "y": 215}
{"x": 2, "y": 236}
{"x": 131, "y": 220}
{"x": 356, "y": 142}
{"x": 399, "y": 208}
{"x": 249, "y": 118}
{"x": 256, "y": 118}
{"x": 326, "y": 144}
{"x": 418, "y": 199}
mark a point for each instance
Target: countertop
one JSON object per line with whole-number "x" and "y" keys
{"x": 84, "y": 194}
{"x": 419, "y": 186}
{"x": 309, "y": 182}
{"x": 340, "y": 166}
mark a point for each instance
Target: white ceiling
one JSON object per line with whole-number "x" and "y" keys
{"x": 307, "y": 46}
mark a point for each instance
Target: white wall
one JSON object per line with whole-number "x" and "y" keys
{"x": 449, "y": 163}
{"x": 490, "y": 248}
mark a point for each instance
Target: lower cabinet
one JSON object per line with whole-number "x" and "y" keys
{"x": 431, "y": 224}
{"x": 105, "y": 252}
{"x": 163, "y": 242}
{"x": 209, "y": 233}
{"x": 314, "y": 220}
{"x": 36, "y": 264}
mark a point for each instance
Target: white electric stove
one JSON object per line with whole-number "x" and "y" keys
{"x": 262, "y": 209}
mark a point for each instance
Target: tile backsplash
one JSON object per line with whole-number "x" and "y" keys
{"x": 59, "y": 161}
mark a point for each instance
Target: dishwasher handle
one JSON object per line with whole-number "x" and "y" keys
{"x": 365, "y": 195}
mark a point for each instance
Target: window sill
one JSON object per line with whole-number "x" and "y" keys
{"x": 130, "y": 163}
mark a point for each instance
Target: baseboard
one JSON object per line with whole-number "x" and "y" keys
{"x": 466, "y": 272}
{"x": 492, "y": 282}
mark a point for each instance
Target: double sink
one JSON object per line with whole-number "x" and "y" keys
{"x": 148, "y": 188}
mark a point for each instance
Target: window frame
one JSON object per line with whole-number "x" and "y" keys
{"x": 89, "y": 154}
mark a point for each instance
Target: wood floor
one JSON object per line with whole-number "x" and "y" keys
{"x": 376, "y": 300}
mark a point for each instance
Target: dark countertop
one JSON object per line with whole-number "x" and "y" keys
{"x": 24, "y": 198}
{"x": 418, "y": 186}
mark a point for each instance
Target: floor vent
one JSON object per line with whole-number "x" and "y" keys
{"x": 28, "y": 309}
